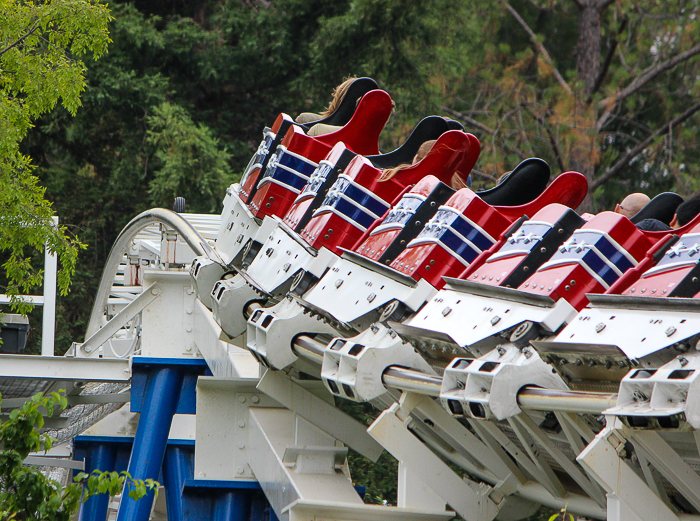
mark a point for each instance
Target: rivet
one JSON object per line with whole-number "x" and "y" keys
{"x": 188, "y": 311}
{"x": 338, "y": 283}
{"x": 326, "y": 237}
{"x": 599, "y": 327}
{"x": 446, "y": 311}
{"x": 567, "y": 287}
{"x": 268, "y": 205}
{"x": 495, "y": 320}
{"x": 188, "y": 329}
{"x": 432, "y": 262}
{"x": 255, "y": 399}
{"x": 239, "y": 470}
{"x": 371, "y": 297}
{"x": 241, "y": 424}
{"x": 241, "y": 399}
{"x": 670, "y": 331}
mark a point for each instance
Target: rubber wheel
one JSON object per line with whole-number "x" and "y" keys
{"x": 179, "y": 205}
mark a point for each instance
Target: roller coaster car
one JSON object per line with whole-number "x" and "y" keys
{"x": 479, "y": 316}
{"x": 393, "y": 294}
{"x": 466, "y": 225}
{"x": 359, "y": 197}
{"x": 337, "y": 160}
{"x": 297, "y": 156}
{"x": 635, "y": 324}
{"x": 347, "y": 109}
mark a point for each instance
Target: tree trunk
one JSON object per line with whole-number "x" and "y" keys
{"x": 583, "y": 151}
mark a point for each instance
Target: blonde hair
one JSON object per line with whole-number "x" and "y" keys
{"x": 423, "y": 150}
{"x": 338, "y": 94}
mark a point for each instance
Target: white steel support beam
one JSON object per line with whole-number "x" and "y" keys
{"x": 670, "y": 465}
{"x": 468, "y": 499}
{"x": 629, "y": 497}
{"x": 569, "y": 466}
{"x": 491, "y": 430}
{"x": 65, "y": 368}
{"x": 48, "y": 327}
{"x": 121, "y": 319}
{"x": 547, "y": 476}
{"x": 281, "y": 388}
{"x": 464, "y": 439}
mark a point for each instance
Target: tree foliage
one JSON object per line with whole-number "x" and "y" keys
{"x": 26, "y": 493}
{"x": 40, "y": 46}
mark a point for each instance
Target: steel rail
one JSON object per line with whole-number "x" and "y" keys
{"x": 154, "y": 216}
{"x": 533, "y": 398}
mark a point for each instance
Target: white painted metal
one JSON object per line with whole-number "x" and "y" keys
{"x": 205, "y": 273}
{"x": 229, "y": 300}
{"x": 349, "y": 292}
{"x": 355, "y": 365}
{"x": 629, "y": 497}
{"x": 226, "y": 359}
{"x": 91, "y": 345}
{"x": 48, "y": 319}
{"x": 466, "y": 319}
{"x": 64, "y": 368}
{"x": 324, "y": 415}
{"x": 282, "y": 255}
{"x": 271, "y": 331}
{"x": 673, "y": 388}
{"x": 493, "y": 381}
{"x": 469, "y": 499}
{"x": 636, "y": 332}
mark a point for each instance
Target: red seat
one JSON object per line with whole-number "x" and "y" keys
{"x": 359, "y": 198}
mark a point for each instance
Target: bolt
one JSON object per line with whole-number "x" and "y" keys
{"x": 501, "y": 350}
{"x": 255, "y": 399}
{"x": 239, "y": 470}
{"x": 682, "y": 360}
{"x": 188, "y": 311}
{"x": 241, "y": 445}
{"x": 446, "y": 311}
{"x": 338, "y": 283}
{"x": 599, "y": 327}
{"x": 495, "y": 320}
{"x": 241, "y": 399}
{"x": 371, "y": 297}
{"x": 241, "y": 424}
{"x": 188, "y": 329}
{"x": 154, "y": 291}
{"x": 670, "y": 331}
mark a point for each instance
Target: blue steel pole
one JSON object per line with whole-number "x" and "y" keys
{"x": 102, "y": 457}
{"x": 232, "y": 506}
{"x": 177, "y": 467}
{"x": 159, "y": 404}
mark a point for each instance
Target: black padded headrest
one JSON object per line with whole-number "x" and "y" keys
{"x": 428, "y": 128}
{"x": 346, "y": 109}
{"x": 455, "y": 125}
{"x": 524, "y": 184}
{"x": 662, "y": 208}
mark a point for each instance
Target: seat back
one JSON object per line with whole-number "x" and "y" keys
{"x": 591, "y": 260}
{"x": 428, "y": 128}
{"x": 461, "y": 229}
{"x": 359, "y": 197}
{"x": 346, "y": 109}
{"x": 528, "y": 247}
{"x": 315, "y": 191}
{"x": 405, "y": 220}
{"x": 524, "y": 184}
{"x": 272, "y": 137}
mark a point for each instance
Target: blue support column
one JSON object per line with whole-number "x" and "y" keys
{"x": 99, "y": 456}
{"x": 232, "y": 506}
{"x": 160, "y": 388}
{"x": 177, "y": 467}
{"x": 158, "y": 407}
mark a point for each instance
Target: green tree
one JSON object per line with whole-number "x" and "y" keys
{"x": 189, "y": 162}
{"x": 39, "y": 48}
{"x": 27, "y": 494}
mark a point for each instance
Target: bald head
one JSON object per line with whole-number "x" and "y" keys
{"x": 631, "y": 204}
